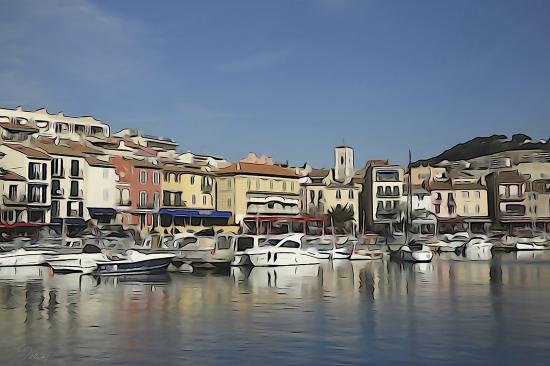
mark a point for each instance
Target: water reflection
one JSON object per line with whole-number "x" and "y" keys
{"x": 455, "y": 308}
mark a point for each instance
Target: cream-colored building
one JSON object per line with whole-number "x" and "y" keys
{"x": 420, "y": 175}
{"x": 13, "y": 199}
{"x": 34, "y": 165}
{"x": 15, "y": 122}
{"x": 100, "y": 189}
{"x": 325, "y": 189}
{"x": 246, "y": 189}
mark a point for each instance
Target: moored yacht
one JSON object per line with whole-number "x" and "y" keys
{"x": 23, "y": 257}
{"x": 85, "y": 262}
{"x": 288, "y": 251}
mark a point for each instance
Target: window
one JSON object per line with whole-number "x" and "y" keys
{"x": 248, "y": 183}
{"x": 204, "y": 200}
{"x": 105, "y": 195}
{"x": 477, "y": 208}
{"x": 478, "y": 194}
{"x": 193, "y": 199}
{"x": 192, "y": 179}
{"x": 105, "y": 173}
{"x": 75, "y": 168}
{"x": 12, "y": 192}
{"x": 156, "y": 199}
{"x": 338, "y": 194}
{"x": 284, "y": 186}
{"x": 290, "y": 244}
{"x": 142, "y": 198}
{"x": 465, "y": 194}
{"x": 465, "y": 209}
{"x": 257, "y": 184}
{"x": 224, "y": 242}
{"x": 514, "y": 190}
{"x": 437, "y": 208}
{"x": 271, "y": 185}
{"x": 156, "y": 178}
{"x": 312, "y": 196}
{"x": 380, "y": 206}
{"x": 438, "y": 196}
{"x": 143, "y": 176}
{"x": 229, "y": 202}
{"x": 350, "y": 194}
{"x": 57, "y": 167}
{"x": 292, "y": 186}
{"x": 320, "y": 195}
{"x": 396, "y": 191}
{"x": 37, "y": 171}
{"x": 74, "y": 188}
{"x": 451, "y": 209}
{"x": 229, "y": 183}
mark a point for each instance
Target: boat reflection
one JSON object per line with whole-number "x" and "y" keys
{"x": 24, "y": 274}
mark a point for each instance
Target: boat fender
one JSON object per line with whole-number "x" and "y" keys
{"x": 213, "y": 251}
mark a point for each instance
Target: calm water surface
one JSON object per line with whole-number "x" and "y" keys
{"x": 452, "y": 311}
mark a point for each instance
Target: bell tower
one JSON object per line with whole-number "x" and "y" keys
{"x": 343, "y": 167}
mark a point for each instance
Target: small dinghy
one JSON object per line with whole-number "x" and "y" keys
{"x": 134, "y": 262}
{"x": 23, "y": 257}
{"x": 85, "y": 262}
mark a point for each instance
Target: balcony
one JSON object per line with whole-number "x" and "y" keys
{"x": 388, "y": 213}
{"x": 514, "y": 210}
{"x": 76, "y": 173}
{"x": 15, "y": 200}
{"x": 146, "y": 205}
{"x": 58, "y": 193}
{"x": 124, "y": 203}
{"x": 387, "y": 194}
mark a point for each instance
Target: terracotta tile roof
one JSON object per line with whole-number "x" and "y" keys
{"x": 8, "y": 175}
{"x": 510, "y": 176}
{"x": 319, "y": 173}
{"x": 258, "y": 169}
{"x": 469, "y": 186}
{"x": 144, "y": 164}
{"x": 30, "y": 152}
{"x": 66, "y": 147}
{"x": 93, "y": 161}
{"x": 12, "y": 126}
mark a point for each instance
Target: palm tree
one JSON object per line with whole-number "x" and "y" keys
{"x": 341, "y": 216}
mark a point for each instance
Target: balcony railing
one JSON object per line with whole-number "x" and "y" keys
{"x": 146, "y": 205}
{"x": 124, "y": 203}
{"x": 387, "y": 194}
{"x": 511, "y": 197}
{"x": 15, "y": 200}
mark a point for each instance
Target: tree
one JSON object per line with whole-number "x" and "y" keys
{"x": 341, "y": 216}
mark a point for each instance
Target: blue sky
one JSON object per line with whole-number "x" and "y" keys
{"x": 287, "y": 78}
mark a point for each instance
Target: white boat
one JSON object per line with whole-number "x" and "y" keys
{"x": 364, "y": 253}
{"x": 134, "y": 262}
{"x": 330, "y": 245}
{"x": 453, "y": 242}
{"x": 412, "y": 252}
{"x": 23, "y": 257}
{"x": 479, "y": 242}
{"x": 241, "y": 243}
{"x": 85, "y": 262}
{"x": 532, "y": 245}
{"x": 288, "y": 251}
{"x": 198, "y": 249}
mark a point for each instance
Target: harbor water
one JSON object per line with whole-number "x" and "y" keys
{"x": 476, "y": 310}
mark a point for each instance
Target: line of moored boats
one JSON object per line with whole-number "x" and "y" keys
{"x": 93, "y": 255}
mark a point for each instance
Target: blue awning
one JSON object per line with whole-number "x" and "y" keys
{"x": 100, "y": 211}
{"x": 196, "y": 213}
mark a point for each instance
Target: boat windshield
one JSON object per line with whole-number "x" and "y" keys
{"x": 272, "y": 242}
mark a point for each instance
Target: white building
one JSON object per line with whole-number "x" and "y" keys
{"x": 17, "y": 123}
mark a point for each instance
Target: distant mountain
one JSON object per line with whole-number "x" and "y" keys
{"x": 481, "y": 146}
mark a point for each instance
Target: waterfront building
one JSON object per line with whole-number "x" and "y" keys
{"x": 189, "y": 199}
{"x": 538, "y": 203}
{"x": 423, "y": 174}
{"x": 383, "y": 199}
{"x": 100, "y": 189}
{"x": 506, "y": 196}
{"x": 139, "y": 189}
{"x": 325, "y": 189}
{"x": 246, "y": 189}
{"x": 69, "y": 181}
{"x": 17, "y": 124}
{"x": 443, "y": 198}
{"x": 472, "y": 204}
{"x": 13, "y": 204}
{"x": 34, "y": 166}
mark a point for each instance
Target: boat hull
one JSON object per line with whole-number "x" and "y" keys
{"x": 240, "y": 260}
{"x": 147, "y": 265}
{"x": 281, "y": 258}
{"x": 20, "y": 258}
{"x": 532, "y": 246}
{"x": 81, "y": 263}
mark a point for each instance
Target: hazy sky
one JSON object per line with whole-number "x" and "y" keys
{"x": 287, "y": 78}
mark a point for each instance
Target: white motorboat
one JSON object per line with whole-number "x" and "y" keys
{"x": 198, "y": 249}
{"x": 532, "y": 241}
{"x": 363, "y": 252}
{"x": 479, "y": 242}
{"x": 330, "y": 245}
{"x": 412, "y": 252}
{"x": 241, "y": 243}
{"x": 288, "y": 251}
{"x": 24, "y": 257}
{"x": 85, "y": 262}
{"x": 134, "y": 262}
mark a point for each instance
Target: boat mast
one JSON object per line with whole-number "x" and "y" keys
{"x": 409, "y": 192}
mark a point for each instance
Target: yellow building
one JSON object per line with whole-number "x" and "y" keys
{"x": 246, "y": 189}
{"x": 189, "y": 199}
